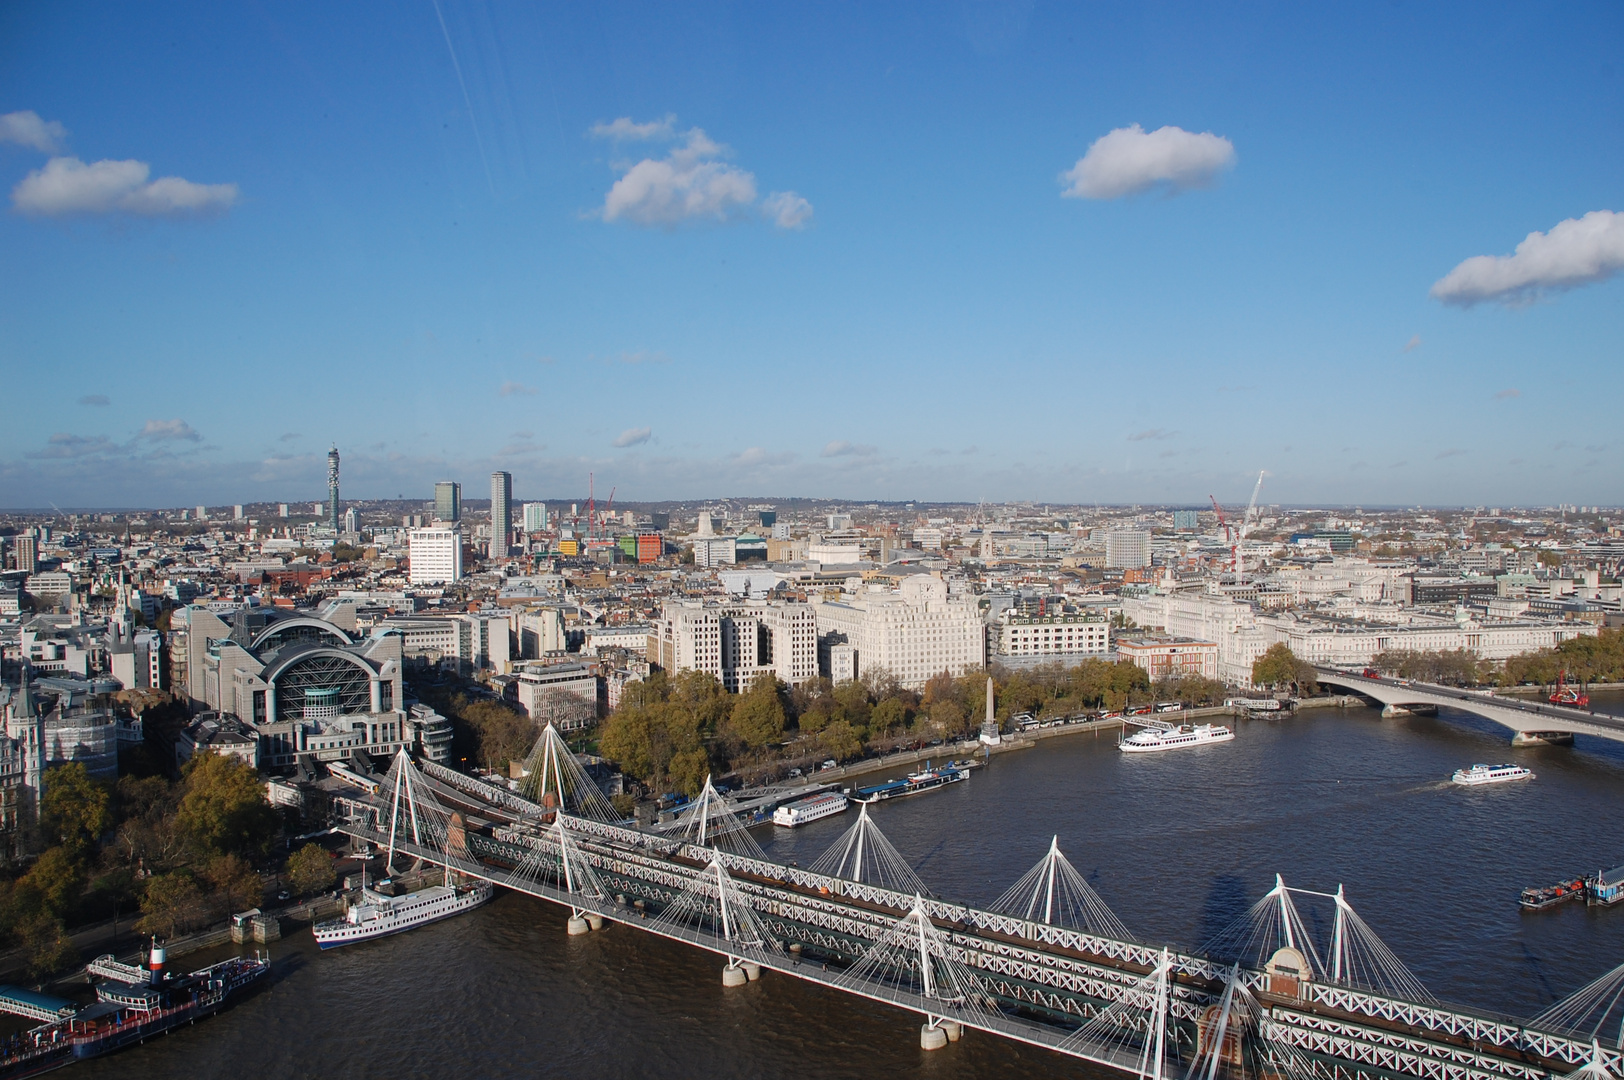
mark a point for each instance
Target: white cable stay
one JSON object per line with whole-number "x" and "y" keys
{"x": 709, "y": 822}
{"x": 863, "y": 854}
{"x": 414, "y": 815}
{"x": 712, "y": 903}
{"x": 555, "y": 780}
{"x": 1132, "y": 1033}
{"x": 1355, "y": 956}
{"x": 557, "y": 856}
{"x": 1595, "y": 1011}
{"x": 912, "y": 958}
{"x": 1055, "y": 894}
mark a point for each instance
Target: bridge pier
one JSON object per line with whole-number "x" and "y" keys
{"x": 752, "y": 970}
{"x": 954, "y": 1030}
{"x": 594, "y": 920}
{"x": 576, "y": 926}
{"x": 733, "y": 975}
{"x": 1542, "y": 738}
{"x": 932, "y": 1036}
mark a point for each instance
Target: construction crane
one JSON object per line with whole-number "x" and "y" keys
{"x": 609, "y": 513}
{"x": 591, "y": 510}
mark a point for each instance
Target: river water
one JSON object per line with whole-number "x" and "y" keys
{"x": 1177, "y": 843}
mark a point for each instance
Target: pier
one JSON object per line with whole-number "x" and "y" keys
{"x": 1047, "y": 964}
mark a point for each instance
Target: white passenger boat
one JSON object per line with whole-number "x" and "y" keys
{"x": 811, "y": 808}
{"x": 1151, "y": 739}
{"x": 1491, "y": 774}
{"x": 377, "y": 915}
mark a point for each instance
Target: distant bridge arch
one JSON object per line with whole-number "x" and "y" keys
{"x": 1528, "y": 721}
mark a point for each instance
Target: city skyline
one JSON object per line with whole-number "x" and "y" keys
{"x": 1005, "y": 252}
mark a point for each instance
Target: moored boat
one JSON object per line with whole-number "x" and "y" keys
{"x": 1538, "y": 899}
{"x": 812, "y": 808}
{"x": 926, "y": 779}
{"x": 377, "y": 915}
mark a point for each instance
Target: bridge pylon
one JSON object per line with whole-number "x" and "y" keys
{"x": 1055, "y": 894}
{"x": 863, "y": 854}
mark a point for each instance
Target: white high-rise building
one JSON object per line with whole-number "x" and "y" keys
{"x": 737, "y": 642}
{"x": 1127, "y": 549}
{"x": 914, "y": 632}
{"x": 436, "y": 556}
{"x": 236, "y": 512}
{"x": 535, "y": 517}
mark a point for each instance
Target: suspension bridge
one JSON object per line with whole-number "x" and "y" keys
{"x": 1047, "y": 963}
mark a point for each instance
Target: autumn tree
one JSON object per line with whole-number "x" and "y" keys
{"x": 757, "y": 718}
{"x": 173, "y": 903}
{"x": 1279, "y": 666}
{"x": 74, "y": 810}
{"x": 223, "y": 808}
{"x": 310, "y": 869}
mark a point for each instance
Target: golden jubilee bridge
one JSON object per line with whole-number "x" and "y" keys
{"x": 1047, "y": 964}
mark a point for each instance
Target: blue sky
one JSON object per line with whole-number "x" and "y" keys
{"x": 829, "y": 252}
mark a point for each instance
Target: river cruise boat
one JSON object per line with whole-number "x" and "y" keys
{"x": 1491, "y": 774}
{"x": 1153, "y": 739}
{"x": 914, "y": 783}
{"x": 810, "y": 809}
{"x": 1551, "y": 895}
{"x": 376, "y": 915}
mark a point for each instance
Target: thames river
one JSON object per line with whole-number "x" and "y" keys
{"x": 1177, "y": 843}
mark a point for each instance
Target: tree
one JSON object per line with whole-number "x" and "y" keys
{"x": 46, "y": 945}
{"x": 840, "y": 741}
{"x": 172, "y": 903}
{"x": 310, "y": 869}
{"x": 757, "y": 718}
{"x": 237, "y": 886}
{"x": 493, "y": 732}
{"x": 58, "y": 877}
{"x": 1279, "y": 666}
{"x": 224, "y": 809}
{"x": 75, "y": 810}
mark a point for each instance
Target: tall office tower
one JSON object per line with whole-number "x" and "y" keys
{"x": 1127, "y": 549}
{"x": 281, "y": 509}
{"x": 448, "y": 500}
{"x": 27, "y": 553}
{"x": 535, "y": 517}
{"x": 435, "y": 555}
{"x": 332, "y": 489}
{"x": 501, "y": 512}
{"x": 236, "y": 512}
{"x": 202, "y": 513}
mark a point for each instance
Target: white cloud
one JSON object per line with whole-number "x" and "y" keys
{"x": 27, "y": 129}
{"x": 166, "y": 430}
{"x": 634, "y": 436}
{"x": 1129, "y": 160}
{"x": 787, "y": 210}
{"x": 1413, "y": 343}
{"x": 624, "y": 129}
{"x": 1152, "y": 433}
{"x": 511, "y": 388}
{"x": 67, "y": 186}
{"x": 691, "y": 182}
{"x": 842, "y": 448}
{"x": 755, "y": 455}
{"x": 1578, "y": 251}
{"x": 687, "y": 184}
